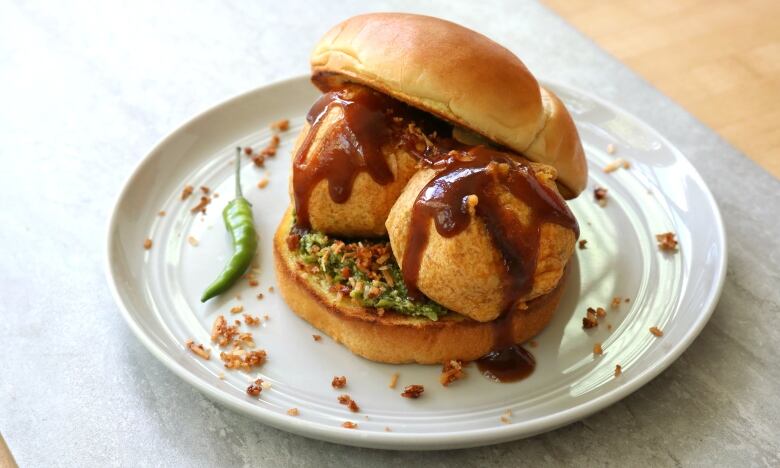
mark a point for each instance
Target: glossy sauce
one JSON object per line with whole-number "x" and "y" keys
{"x": 356, "y": 147}
{"x": 507, "y": 365}
{"x": 481, "y": 171}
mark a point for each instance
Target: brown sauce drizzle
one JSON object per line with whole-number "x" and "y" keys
{"x": 507, "y": 365}
{"x": 354, "y": 147}
{"x": 477, "y": 172}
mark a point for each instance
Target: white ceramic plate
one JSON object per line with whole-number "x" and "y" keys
{"x": 158, "y": 290}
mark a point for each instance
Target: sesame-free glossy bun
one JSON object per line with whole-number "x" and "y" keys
{"x": 459, "y": 75}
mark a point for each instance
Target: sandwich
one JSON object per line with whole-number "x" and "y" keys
{"x": 428, "y": 218}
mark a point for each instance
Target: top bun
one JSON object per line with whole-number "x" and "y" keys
{"x": 458, "y": 75}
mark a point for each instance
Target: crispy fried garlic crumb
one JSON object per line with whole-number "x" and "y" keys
{"x": 413, "y": 391}
{"x": 255, "y": 388}
{"x": 147, "y": 243}
{"x": 236, "y": 309}
{"x": 238, "y": 358}
{"x": 393, "y": 380}
{"x": 582, "y": 244}
{"x": 611, "y": 148}
{"x": 161, "y": 213}
{"x": 338, "y": 382}
{"x": 615, "y": 302}
{"x": 597, "y": 349}
{"x": 349, "y": 425}
{"x": 451, "y": 371}
{"x": 198, "y": 349}
{"x": 201, "y": 206}
{"x": 591, "y": 319}
{"x": 186, "y": 192}
{"x": 193, "y": 241}
{"x": 293, "y": 412}
{"x": 600, "y": 312}
{"x": 618, "y": 370}
{"x": 600, "y": 195}
{"x": 656, "y": 331}
{"x": 263, "y": 183}
{"x": 281, "y": 125}
{"x": 253, "y": 283}
{"x": 667, "y": 242}
{"x": 616, "y": 164}
{"x": 251, "y": 320}
{"x": 347, "y": 401}
{"x": 317, "y": 337}
{"x": 205, "y": 190}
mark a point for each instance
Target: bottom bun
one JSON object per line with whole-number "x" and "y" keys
{"x": 397, "y": 338}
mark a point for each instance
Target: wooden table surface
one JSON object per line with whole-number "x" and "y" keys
{"x": 719, "y": 59}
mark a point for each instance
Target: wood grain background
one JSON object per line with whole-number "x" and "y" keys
{"x": 719, "y": 59}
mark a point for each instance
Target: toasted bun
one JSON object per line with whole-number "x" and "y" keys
{"x": 396, "y": 338}
{"x": 459, "y": 75}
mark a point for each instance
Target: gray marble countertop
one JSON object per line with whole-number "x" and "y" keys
{"x": 86, "y": 88}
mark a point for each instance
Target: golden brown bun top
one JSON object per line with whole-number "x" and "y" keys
{"x": 459, "y": 75}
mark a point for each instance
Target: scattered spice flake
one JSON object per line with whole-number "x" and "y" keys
{"x": 533, "y": 343}
{"x": 347, "y": 401}
{"x": 147, "y": 243}
{"x": 255, "y": 388}
{"x": 582, "y": 244}
{"x": 317, "y": 337}
{"x": 393, "y": 380}
{"x": 253, "y": 283}
{"x": 259, "y": 296}
{"x": 611, "y": 148}
{"x": 201, "y": 206}
{"x": 205, "y": 189}
{"x": 266, "y": 317}
{"x": 193, "y": 241}
{"x": 616, "y": 164}
{"x": 349, "y": 425}
{"x": 238, "y": 358}
{"x": 221, "y": 332}
{"x": 590, "y": 320}
{"x": 506, "y": 418}
{"x": 667, "y": 242}
{"x": 251, "y": 320}
{"x": 198, "y": 349}
{"x": 281, "y": 125}
{"x": 627, "y": 300}
{"x": 600, "y": 195}
{"x": 600, "y": 312}
{"x": 248, "y": 150}
{"x": 615, "y": 302}
{"x": 338, "y": 382}
{"x": 270, "y": 289}
{"x": 451, "y": 371}
{"x": 263, "y": 183}
{"x": 161, "y": 213}
{"x": 186, "y": 192}
{"x": 293, "y": 412}
{"x": 618, "y": 370}
{"x": 413, "y": 391}
{"x": 656, "y": 331}
{"x": 597, "y": 349}
{"x": 236, "y": 309}
{"x": 609, "y": 326}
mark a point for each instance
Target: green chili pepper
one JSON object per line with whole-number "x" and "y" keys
{"x": 239, "y": 223}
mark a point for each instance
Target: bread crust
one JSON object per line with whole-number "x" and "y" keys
{"x": 458, "y": 75}
{"x": 397, "y": 338}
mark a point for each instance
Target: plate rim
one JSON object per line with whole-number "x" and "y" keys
{"x": 418, "y": 441}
